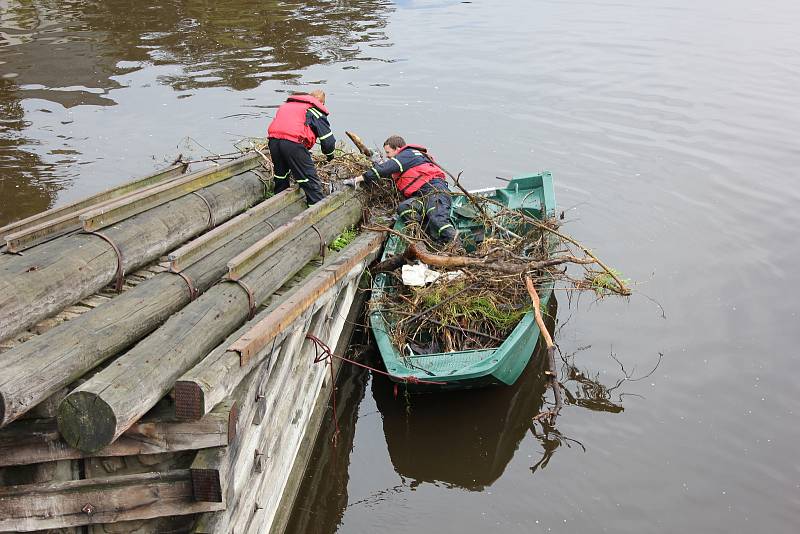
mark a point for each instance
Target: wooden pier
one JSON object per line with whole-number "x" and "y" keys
{"x": 157, "y": 371}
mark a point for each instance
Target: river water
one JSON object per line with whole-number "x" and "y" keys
{"x": 671, "y": 128}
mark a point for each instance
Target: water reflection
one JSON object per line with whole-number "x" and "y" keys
{"x": 76, "y": 53}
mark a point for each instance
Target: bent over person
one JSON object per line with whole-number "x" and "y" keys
{"x": 298, "y": 124}
{"x": 421, "y": 182}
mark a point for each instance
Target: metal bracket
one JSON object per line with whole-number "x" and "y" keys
{"x": 120, "y": 275}
{"x": 258, "y": 463}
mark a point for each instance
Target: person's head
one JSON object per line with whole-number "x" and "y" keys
{"x": 393, "y": 145}
{"x": 319, "y": 94}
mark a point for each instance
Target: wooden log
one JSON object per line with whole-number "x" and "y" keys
{"x": 67, "y": 217}
{"x": 32, "y": 371}
{"x": 201, "y": 247}
{"x": 33, "y": 507}
{"x": 209, "y": 475}
{"x": 97, "y": 412}
{"x": 38, "y": 440}
{"x": 126, "y": 207}
{"x": 215, "y": 377}
{"x": 61, "y": 272}
{"x": 258, "y": 252}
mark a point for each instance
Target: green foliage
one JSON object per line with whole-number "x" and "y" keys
{"x": 343, "y": 239}
{"x": 468, "y": 307}
{"x": 603, "y": 283}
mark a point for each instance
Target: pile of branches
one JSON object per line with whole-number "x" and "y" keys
{"x": 480, "y": 306}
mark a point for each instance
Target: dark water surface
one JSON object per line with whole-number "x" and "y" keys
{"x": 672, "y": 130}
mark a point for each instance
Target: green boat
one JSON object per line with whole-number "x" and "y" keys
{"x": 532, "y": 195}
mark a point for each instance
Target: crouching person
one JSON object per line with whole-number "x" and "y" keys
{"x": 421, "y": 182}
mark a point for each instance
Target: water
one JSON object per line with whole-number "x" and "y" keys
{"x": 671, "y": 129}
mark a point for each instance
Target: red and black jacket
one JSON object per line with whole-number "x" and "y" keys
{"x": 303, "y": 119}
{"x": 410, "y": 169}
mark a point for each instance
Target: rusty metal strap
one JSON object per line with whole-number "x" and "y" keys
{"x": 263, "y": 179}
{"x": 322, "y": 245}
{"x": 211, "y": 222}
{"x": 120, "y": 275}
{"x": 251, "y": 299}
{"x": 193, "y": 291}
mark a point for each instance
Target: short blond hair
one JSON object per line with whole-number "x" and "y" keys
{"x": 319, "y": 94}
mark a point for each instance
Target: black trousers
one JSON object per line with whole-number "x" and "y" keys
{"x": 430, "y": 206}
{"x": 288, "y": 156}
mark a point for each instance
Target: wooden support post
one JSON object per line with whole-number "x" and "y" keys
{"x": 32, "y": 371}
{"x": 56, "y": 274}
{"x": 38, "y": 440}
{"x": 97, "y": 412}
{"x": 99, "y": 500}
{"x": 209, "y": 475}
{"x": 129, "y": 206}
{"x": 27, "y": 232}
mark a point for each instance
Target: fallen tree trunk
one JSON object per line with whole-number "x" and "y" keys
{"x": 59, "y": 273}
{"x": 418, "y": 251}
{"x": 97, "y": 412}
{"x": 32, "y": 371}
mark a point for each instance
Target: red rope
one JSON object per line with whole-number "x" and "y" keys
{"x": 328, "y": 353}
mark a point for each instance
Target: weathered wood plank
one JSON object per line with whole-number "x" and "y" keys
{"x": 109, "y": 214}
{"x": 63, "y": 271}
{"x": 256, "y": 254}
{"x": 210, "y": 241}
{"x": 31, "y": 371}
{"x": 38, "y": 440}
{"x": 100, "y": 500}
{"x": 216, "y": 375}
{"x": 294, "y": 382}
{"x": 98, "y": 411}
{"x": 346, "y": 393}
{"x": 26, "y": 232}
{"x": 255, "y": 341}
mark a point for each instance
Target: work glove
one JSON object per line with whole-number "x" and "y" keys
{"x": 353, "y": 182}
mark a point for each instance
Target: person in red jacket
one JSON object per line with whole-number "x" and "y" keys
{"x": 299, "y": 123}
{"x": 421, "y": 182}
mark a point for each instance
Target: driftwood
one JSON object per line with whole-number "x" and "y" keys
{"x": 552, "y": 372}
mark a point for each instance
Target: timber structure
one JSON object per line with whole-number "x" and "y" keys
{"x": 158, "y": 351}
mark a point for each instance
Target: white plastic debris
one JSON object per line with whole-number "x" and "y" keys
{"x": 418, "y": 275}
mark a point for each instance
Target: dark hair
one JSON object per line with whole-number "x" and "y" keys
{"x": 395, "y": 141}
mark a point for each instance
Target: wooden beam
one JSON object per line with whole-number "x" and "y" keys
{"x": 99, "y": 500}
{"x": 210, "y": 475}
{"x": 210, "y": 241}
{"x": 262, "y": 334}
{"x": 98, "y": 411}
{"x": 74, "y": 209}
{"x": 38, "y": 440}
{"x": 247, "y": 260}
{"x": 114, "y": 212}
{"x": 33, "y": 370}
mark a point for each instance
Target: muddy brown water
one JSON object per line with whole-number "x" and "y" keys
{"x": 671, "y": 128}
